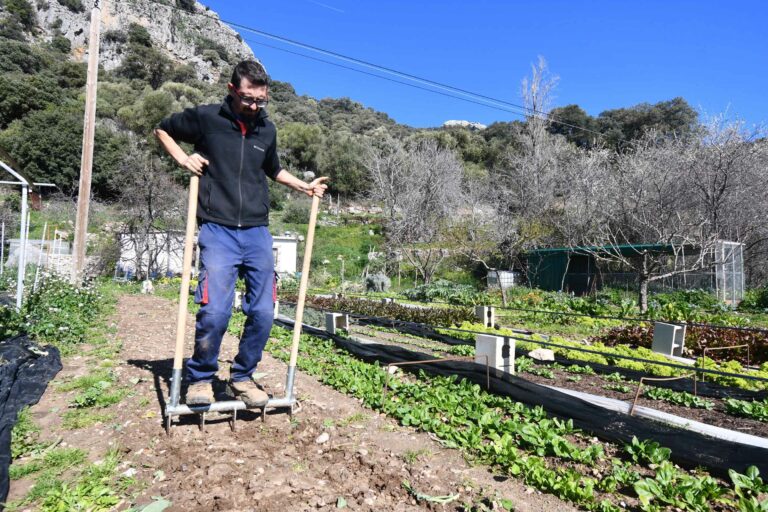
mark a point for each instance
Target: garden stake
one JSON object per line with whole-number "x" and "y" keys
{"x": 289, "y": 401}
{"x": 659, "y": 379}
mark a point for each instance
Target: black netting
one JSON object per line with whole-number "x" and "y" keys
{"x": 25, "y": 370}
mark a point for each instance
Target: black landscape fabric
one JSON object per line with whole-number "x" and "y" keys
{"x": 707, "y": 389}
{"x": 25, "y": 370}
{"x": 689, "y": 449}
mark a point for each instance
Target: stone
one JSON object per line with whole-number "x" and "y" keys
{"x": 542, "y": 354}
{"x": 181, "y": 46}
{"x": 323, "y": 438}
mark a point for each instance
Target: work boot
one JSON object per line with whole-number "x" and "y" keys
{"x": 200, "y": 393}
{"x": 250, "y": 393}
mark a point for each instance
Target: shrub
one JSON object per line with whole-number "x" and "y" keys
{"x": 755, "y": 299}
{"x": 297, "y": 212}
{"x": 60, "y": 313}
{"x": 23, "y": 11}
{"x": 442, "y": 290}
{"x": 10, "y": 321}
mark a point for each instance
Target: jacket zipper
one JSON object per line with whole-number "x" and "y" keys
{"x": 240, "y": 174}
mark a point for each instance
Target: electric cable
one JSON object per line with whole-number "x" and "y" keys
{"x": 531, "y": 111}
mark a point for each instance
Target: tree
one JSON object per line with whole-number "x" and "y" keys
{"x": 420, "y": 188}
{"x": 649, "y": 223}
{"x": 299, "y": 145}
{"x": 153, "y": 205}
{"x": 666, "y": 118}
{"x": 47, "y": 143}
{"x": 575, "y": 125}
{"x": 340, "y": 158}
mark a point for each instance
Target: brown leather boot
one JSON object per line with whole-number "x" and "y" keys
{"x": 200, "y": 393}
{"x": 250, "y": 393}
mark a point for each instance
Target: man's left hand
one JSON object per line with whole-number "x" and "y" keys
{"x": 317, "y": 187}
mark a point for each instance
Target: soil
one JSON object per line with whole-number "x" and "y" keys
{"x": 281, "y": 464}
{"x": 595, "y": 384}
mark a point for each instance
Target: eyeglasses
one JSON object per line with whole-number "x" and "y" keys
{"x": 259, "y": 102}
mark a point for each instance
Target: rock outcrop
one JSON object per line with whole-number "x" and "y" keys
{"x": 182, "y": 33}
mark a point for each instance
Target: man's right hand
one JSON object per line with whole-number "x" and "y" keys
{"x": 195, "y": 164}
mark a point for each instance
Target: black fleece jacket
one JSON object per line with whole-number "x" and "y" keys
{"x": 241, "y": 154}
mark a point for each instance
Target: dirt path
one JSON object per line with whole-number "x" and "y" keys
{"x": 282, "y": 464}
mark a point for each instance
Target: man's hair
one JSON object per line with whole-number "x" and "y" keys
{"x": 252, "y": 70}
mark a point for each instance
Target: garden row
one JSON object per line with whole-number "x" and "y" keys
{"x": 459, "y": 323}
{"x": 546, "y": 453}
{"x": 714, "y": 411}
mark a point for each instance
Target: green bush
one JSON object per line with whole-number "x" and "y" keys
{"x": 61, "y": 314}
{"x": 23, "y": 11}
{"x": 10, "y": 322}
{"x": 755, "y": 299}
{"x": 446, "y": 291}
{"x": 297, "y": 212}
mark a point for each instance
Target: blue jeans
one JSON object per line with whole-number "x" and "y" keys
{"x": 225, "y": 254}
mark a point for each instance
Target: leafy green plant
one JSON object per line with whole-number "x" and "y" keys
{"x": 446, "y": 291}
{"x": 614, "y": 377}
{"x": 753, "y": 409}
{"x": 647, "y": 451}
{"x": 672, "y": 488}
{"x": 441, "y": 317}
{"x": 621, "y": 388}
{"x": 60, "y": 313}
{"x": 584, "y": 370}
{"x": 681, "y": 398}
{"x": 541, "y": 371}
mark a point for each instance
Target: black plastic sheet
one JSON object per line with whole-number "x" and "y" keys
{"x": 706, "y": 388}
{"x": 689, "y": 449}
{"x": 25, "y": 370}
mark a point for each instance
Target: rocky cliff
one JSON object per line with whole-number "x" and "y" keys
{"x": 187, "y": 31}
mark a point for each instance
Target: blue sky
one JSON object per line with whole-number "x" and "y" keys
{"x": 608, "y": 54}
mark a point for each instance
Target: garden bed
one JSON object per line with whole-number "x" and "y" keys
{"x": 614, "y": 386}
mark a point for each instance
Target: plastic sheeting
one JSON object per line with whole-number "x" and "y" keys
{"x": 25, "y": 370}
{"x": 689, "y": 449}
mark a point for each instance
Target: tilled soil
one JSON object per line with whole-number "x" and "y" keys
{"x": 332, "y": 453}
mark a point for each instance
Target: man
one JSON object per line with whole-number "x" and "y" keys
{"x": 235, "y": 150}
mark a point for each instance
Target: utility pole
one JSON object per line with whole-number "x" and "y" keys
{"x": 86, "y": 162}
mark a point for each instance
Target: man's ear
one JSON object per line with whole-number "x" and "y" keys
{"x": 231, "y": 87}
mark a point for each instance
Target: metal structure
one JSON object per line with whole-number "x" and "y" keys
{"x": 24, "y": 225}
{"x": 576, "y": 270}
{"x": 729, "y": 271}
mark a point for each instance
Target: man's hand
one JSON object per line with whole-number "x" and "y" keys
{"x": 195, "y": 164}
{"x": 317, "y": 187}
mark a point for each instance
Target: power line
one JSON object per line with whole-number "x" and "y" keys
{"x": 360, "y": 62}
{"x": 495, "y": 107}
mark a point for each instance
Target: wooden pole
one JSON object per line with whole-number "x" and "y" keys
{"x": 181, "y": 318}
{"x": 303, "y": 283}
{"x": 86, "y": 162}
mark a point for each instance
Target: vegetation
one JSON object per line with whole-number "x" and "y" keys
{"x": 683, "y": 398}
{"x": 749, "y": 409}
{"x": 520, "y": 441}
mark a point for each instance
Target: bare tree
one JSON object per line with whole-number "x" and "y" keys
{"x": 153, "y": 205}
{"x": 647, "y": 218}
{"x": 420, "y": 189}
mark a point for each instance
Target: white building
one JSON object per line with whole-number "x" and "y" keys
{"x": 163, "y": 253}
